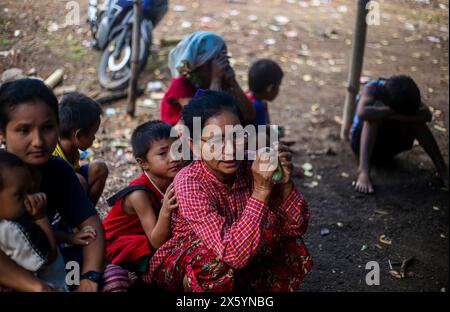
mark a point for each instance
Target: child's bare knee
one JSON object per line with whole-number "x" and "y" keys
{"x": 98, "y": 170}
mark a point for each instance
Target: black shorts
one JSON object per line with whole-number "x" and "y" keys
{"x": 393, "y": 138}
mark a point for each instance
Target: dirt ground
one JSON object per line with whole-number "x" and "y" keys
{"x": 410, "y": 207}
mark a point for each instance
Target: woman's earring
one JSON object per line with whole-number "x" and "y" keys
{"x": 2, "y": 144}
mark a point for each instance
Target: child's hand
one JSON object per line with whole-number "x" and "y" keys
{"x": 35, "y": 204}
{"x": 169, "y": 202}
{"x": 82, "y": 236}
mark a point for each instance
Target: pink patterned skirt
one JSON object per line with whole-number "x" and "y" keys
{"x": 279, "y": 266}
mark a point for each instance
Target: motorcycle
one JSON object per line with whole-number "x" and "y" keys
{"x": 111, "y": 26}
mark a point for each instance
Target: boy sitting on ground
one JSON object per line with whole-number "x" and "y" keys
{"x": 389, "y": 117}
{"x": 139, "y": 221}
{"x": 264, "y": 79}
{"x": 79, "y": 118}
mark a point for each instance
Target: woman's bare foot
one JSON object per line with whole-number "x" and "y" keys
{"x": 363, "y": 184}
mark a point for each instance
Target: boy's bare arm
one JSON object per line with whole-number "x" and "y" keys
{"x": 44, "y": 224}
{"x": 93, "y": 253}
{"x": 366, "y": 112}
{"x": 161, "y": 232}
{"x": 36, "y": 206}
{"x": 423, "y": 115}
{"x": 80, "y": 236}
{"x": 143, "y": 207}
{"x": 381, "y": 112}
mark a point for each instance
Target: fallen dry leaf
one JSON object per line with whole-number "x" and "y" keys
{"x": 395, "y": 274}
{"x": 385, "y": 240}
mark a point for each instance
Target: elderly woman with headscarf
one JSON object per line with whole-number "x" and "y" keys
{"x": 200, "y": 61}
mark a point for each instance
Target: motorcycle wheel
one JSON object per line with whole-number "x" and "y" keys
{"x": 115, "y": 73}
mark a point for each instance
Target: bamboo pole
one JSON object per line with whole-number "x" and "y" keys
{"x": 359, "y": 42}
{"x": 132, "y": 88}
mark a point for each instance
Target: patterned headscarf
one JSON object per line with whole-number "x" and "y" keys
{"x": 194, "y": 51}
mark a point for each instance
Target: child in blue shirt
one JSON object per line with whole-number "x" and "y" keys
{"x": 264, "y": 79}
{"x": 389, "y": 117}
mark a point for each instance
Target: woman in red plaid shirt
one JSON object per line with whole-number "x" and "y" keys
{"x": 235, "y": 230}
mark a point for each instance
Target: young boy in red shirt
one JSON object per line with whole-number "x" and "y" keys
{"x": 139, "y": 221}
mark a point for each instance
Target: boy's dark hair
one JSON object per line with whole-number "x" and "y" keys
{"x": 146, "y": 134}
{"x": 207, "y": 105}
{"x": 8, "y": 160}
{"x": 264, "y": 73}
{"x": 402, "y": 94}
{"x": 77, "y": 111}
{"x": 16, "y": 92}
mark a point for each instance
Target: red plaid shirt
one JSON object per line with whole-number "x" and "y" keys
{"x": 227, "y": 220}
